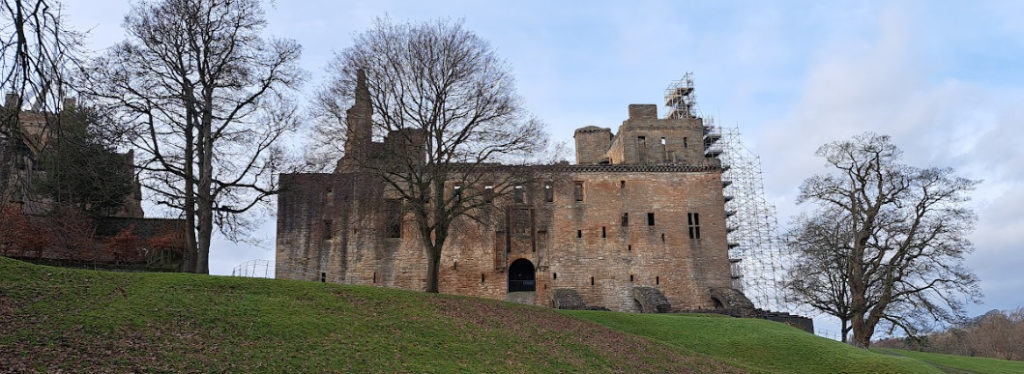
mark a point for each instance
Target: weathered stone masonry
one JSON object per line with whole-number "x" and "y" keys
{"x": 642, "y": 207}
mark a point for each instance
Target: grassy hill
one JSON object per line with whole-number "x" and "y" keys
{"x": 54, "y": 319}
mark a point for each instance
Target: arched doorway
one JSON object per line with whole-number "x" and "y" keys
{"x": 521, "y": 276}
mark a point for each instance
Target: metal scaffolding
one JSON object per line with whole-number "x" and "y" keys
{"x": 254, "y": 269}
{"x": 757, "y": 256}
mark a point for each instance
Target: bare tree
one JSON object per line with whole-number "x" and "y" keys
{"x": 206, "y": 99}
{"x": 822, "y": 247}
{"x": 448, "y": 106}
{"x": 37, "y": 50}
{"x": 905, "y": 235}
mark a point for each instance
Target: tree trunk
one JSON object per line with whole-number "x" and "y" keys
{"x": 433, "y": 268}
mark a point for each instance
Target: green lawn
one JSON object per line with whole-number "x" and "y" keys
{"x": 962, "y": 365}
{"x": 69, "y": 320}
{"x": 54, "y": 319}
{"x": 758, "y": 346}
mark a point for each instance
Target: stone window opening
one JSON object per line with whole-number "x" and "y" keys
{"x": 375, "y": 277}
{"x": 604, "y": 232}
{"x": 482, "y": 278}
{"x": 577, "y": 191}
{"x": 455, "y": 265}
{"x": 641, "y": 141}
{"x": 323, "y": 277}
{"x": 631, "y": 278}
{"x": 657, "y": 281}
{"x": 519, "y": 194}
{"x": 394, "y": 219}
{"x": 693, "y": 223}
{"x": 662, "y": 140}
{"x": 579, "y": 234}
{"x": 328, "y": 232}
{"x": 663, "y": 238}
{"x": 488, "y": 194}
{"x": 622, "y": 184}
{"x": 554, "y": 276}
{"x": 549, "y": 192}
{"x": 625, "y": 219}
{"x": 591, "y": 281}
{"x": 629, "y": 248}
{"x": 650, "y": 219}
{"x": 685, "y": 141}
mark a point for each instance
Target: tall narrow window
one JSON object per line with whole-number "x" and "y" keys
{"x": 693, "y": 222}
{"x": 577, "y": 191}
{"x": 394, "y": 219}
{"x": 662, "y": 140}
{"x": 549, "y": 192}
{"x": 622, "y": 184}
{"x": 685, "y": 142}
{"x": 650, "y": 219}
{"x": 604, "y": 232}
{"x": 625, "y": 219}
{"x": 328, "y": 231}
{"x": 323, "y": 277}
{"x": 518, "y": 194}
{"x": 579, "y": 234}
{"x": 641, "y": 142}
{"x": 488, "y": 194}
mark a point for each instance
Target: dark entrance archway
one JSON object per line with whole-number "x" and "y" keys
{"x": 521, "y": 276}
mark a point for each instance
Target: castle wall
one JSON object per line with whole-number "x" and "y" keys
{"x": 568, "y": 241}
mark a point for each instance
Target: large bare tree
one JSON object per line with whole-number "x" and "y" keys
{"x": 206, "y": 99}
{"x": 903, "y": 236}
{"x": 821, "y": 244}
{"x": 440, "y": 90}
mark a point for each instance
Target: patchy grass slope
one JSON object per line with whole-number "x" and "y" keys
{"x": 960, "y": 364}
{"x": 54, "y": 319}
{"x": 758, "y": 346}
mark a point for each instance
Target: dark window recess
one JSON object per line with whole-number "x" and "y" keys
{"x": 519, "y": 194}
{"x": 631, "y": 278}
{"x": 455, "y": 265}
{"x": 375, "y": 277}
{"x": 604, "y": 232}
{"x": 323, "y": 277}
{"x": 662, "y": 237}
{"x": 693, "y": 221}
{"x": 394, "y": 219}
{"x": 641, "y": 142}
{"x": 629, "y": 248}
{"x": 579, "y": 234}
{"x": 577, "y": 191}
{"x": 625, "y": 219}
{"x": 328, "y": 231}
{"x": 650, "y": 219}
{"x": 622, "y": 184}
{"x": 554, "y": 276}
{"x": 591, "y": 281}
{"x": 488, "y": 194}
{"x": 657, "y": 281}
{"x": 481, "y": 277}
{"x": 549, "y": 192}
{"x": 685, "y": 142}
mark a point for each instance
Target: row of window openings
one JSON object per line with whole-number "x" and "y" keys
{"x": 641, "y": 141}
{"x": 692, "y": 219}
{"x": 519, "y": 192}
{"x": 657, "y": 280}
{"x": 483, "y": 278}
{"x": 394, "y": 226}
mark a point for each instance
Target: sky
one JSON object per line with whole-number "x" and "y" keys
{"x": 943, "y": 78}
